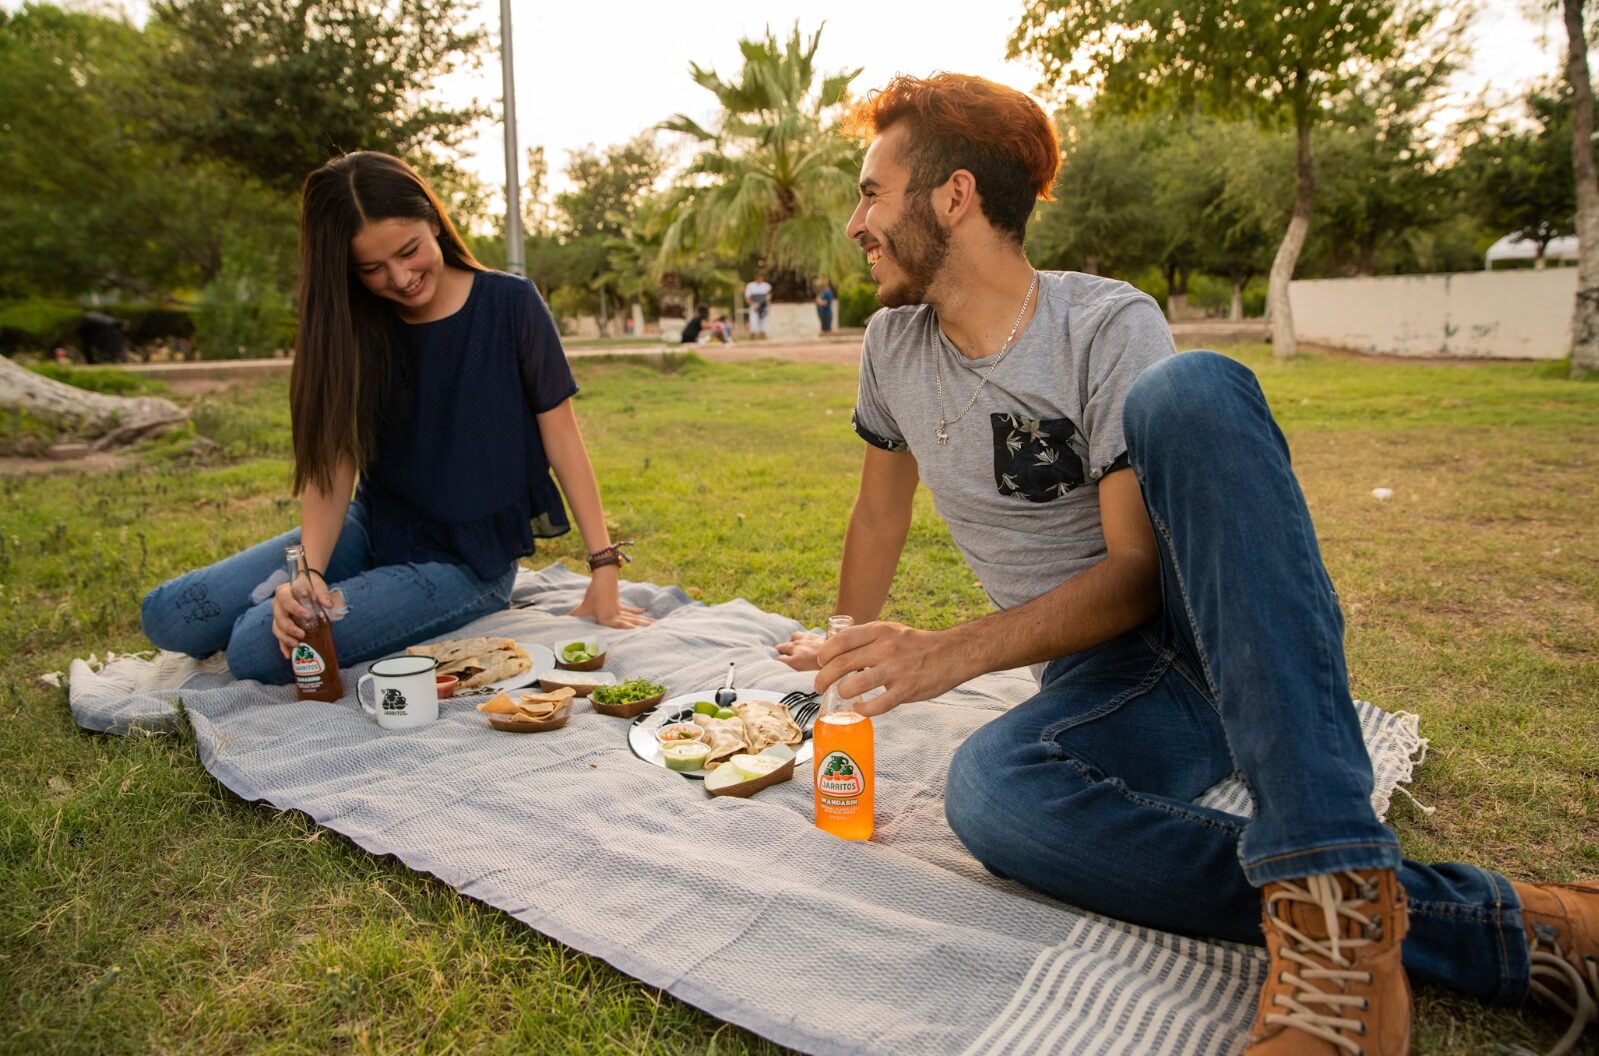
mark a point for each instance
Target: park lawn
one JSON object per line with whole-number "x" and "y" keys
{"x": 148, "y": 909}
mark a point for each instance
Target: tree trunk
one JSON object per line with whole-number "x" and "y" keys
{"x": 107, "y": 420}
{"x": 1585, "y": 315}
{"x": 1282, "y": 266}
{"x": 1235, "y": 311}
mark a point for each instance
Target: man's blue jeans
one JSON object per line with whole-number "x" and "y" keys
{"x": 390, "y": 606}
{"x": 1085, "y": 791}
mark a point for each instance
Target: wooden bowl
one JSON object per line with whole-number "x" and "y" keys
{"x": 594, "y": 664}
{"x": 554, "y": 722}
{"x": 627, "y": 711}
{"x": 746, "y": 789}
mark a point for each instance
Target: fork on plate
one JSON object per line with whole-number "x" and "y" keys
{"x": 804, "y": 707}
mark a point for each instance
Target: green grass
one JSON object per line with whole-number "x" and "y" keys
{"x": 148, "y": 909}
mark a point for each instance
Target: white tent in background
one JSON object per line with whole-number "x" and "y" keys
{"x": 1515, "y": 247}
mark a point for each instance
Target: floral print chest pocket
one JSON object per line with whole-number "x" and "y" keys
{"x": 1033, "y": 457}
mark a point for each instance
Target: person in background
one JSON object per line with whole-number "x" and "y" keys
{"x": 429, "y": 401}
{"x": 1134, "y": 515}
{"x": 694, "y": 330}
{"x": 757, "y": 294}
{"x": 722, "y": 329}
{"x": 826, "y": 298}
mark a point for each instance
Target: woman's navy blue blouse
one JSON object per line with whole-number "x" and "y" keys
{"x": 460, "y": 474}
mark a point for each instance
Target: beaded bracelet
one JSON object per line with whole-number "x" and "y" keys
{"x": 610, "y": 555}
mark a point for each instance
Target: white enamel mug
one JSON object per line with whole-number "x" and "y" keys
{"x": 403, "y": 692}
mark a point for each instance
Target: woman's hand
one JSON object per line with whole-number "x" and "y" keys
{"x": 602, "y": 602}
{"x": 287, "y": 612}
{"x": 799, "y": 652}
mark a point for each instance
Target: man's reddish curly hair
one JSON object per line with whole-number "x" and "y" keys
{"x": 999, "y": 135}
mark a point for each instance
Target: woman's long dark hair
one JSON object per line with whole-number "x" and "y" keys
{"x": 344, "y": 350}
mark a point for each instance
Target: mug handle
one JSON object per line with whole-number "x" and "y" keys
{"x": 361, "y": 684}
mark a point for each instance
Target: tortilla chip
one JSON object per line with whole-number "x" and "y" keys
{"x": 499, "y": 704}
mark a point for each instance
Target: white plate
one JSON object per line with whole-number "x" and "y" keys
{"x": 641, "y": 731}
{"x": 543, "y": 664}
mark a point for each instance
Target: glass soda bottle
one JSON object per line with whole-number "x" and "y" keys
{"x": 842, "y": 766}
{"x": 315, "y": 664}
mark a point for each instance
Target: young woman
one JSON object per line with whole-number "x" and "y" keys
{"x": 443, "y": 388}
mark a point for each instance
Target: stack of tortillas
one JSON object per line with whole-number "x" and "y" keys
{"x": 476, "y": 661}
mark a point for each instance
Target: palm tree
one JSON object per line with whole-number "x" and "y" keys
{"x": 776, "y": 177}
{"x": 636, "y": 267}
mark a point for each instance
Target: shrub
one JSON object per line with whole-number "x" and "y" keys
{"x": 856, "y": 302}
{"x": 108, "y": 380}
{"x": 242, "y": 313}
{"x": 37, "y": 323}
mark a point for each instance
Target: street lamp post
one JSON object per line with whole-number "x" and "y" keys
{"x": 513, "y": 184}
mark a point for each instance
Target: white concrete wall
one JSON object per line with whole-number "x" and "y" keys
{"x": 792, "y": 322}
{"x": 1521, "y": 314}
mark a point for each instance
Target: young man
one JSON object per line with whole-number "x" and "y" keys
{"x": 1133, "y": 515}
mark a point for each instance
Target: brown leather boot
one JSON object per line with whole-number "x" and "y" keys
{"x": 1563, "y": 943}
{"x": 1336, "y": 987}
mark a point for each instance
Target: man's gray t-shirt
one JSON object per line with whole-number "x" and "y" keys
{"x": 1018, "y": 482}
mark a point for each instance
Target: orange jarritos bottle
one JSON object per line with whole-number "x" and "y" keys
{"x": 842, "y": 767}
{"x": 315, "y": 664}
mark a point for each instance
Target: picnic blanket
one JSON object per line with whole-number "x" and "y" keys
{"x": 742, "y": 908}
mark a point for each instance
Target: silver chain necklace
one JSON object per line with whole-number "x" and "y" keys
{"x": 938, "y": 366}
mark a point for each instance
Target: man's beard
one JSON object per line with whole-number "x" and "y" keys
{"x": 918, "y": 246}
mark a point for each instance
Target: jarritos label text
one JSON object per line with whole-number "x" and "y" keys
{"x": 307, "y": 663}
{"x": 839, "y": 777}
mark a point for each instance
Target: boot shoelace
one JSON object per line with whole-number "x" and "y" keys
{"x": 1309, "y": 1008}
{"x": 1552, "y": 973}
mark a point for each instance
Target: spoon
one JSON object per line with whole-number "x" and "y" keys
{"x": 727, "y": 694}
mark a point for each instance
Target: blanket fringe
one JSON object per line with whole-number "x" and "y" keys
{"x": 1400, "y": 747}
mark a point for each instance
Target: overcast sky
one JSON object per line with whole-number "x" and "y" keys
{"x": 602, "y": 72}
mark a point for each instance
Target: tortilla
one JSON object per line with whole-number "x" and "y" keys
{"x": 481, "y": 670}
{"x": 453, "y": 649}
{"x": 725, "y": 736}
{"x": 767, "y": 723}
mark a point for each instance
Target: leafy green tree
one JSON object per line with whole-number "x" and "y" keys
{"x": 775, "y": 175}
{"x": 1281, "y": 64}
{"x": 1100, "y": 218}
{"x": 89, "y": 199}
{"x": 1208, "y": 194}
{"x": 1522, "y": 171}
{"x": 279, "y": 86}
{"x": 600, "y": 211}
{"x": 606, "y": 184}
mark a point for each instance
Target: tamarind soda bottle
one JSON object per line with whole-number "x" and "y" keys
{"x": 315, "y": 664}
{"x": 842, "y": 766}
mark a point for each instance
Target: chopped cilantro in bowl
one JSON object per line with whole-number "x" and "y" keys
{"x": 634, "y": 689}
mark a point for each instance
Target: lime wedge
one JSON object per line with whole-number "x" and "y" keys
{"x": 726, "y": 713}
{"x": 705, "y": 707}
